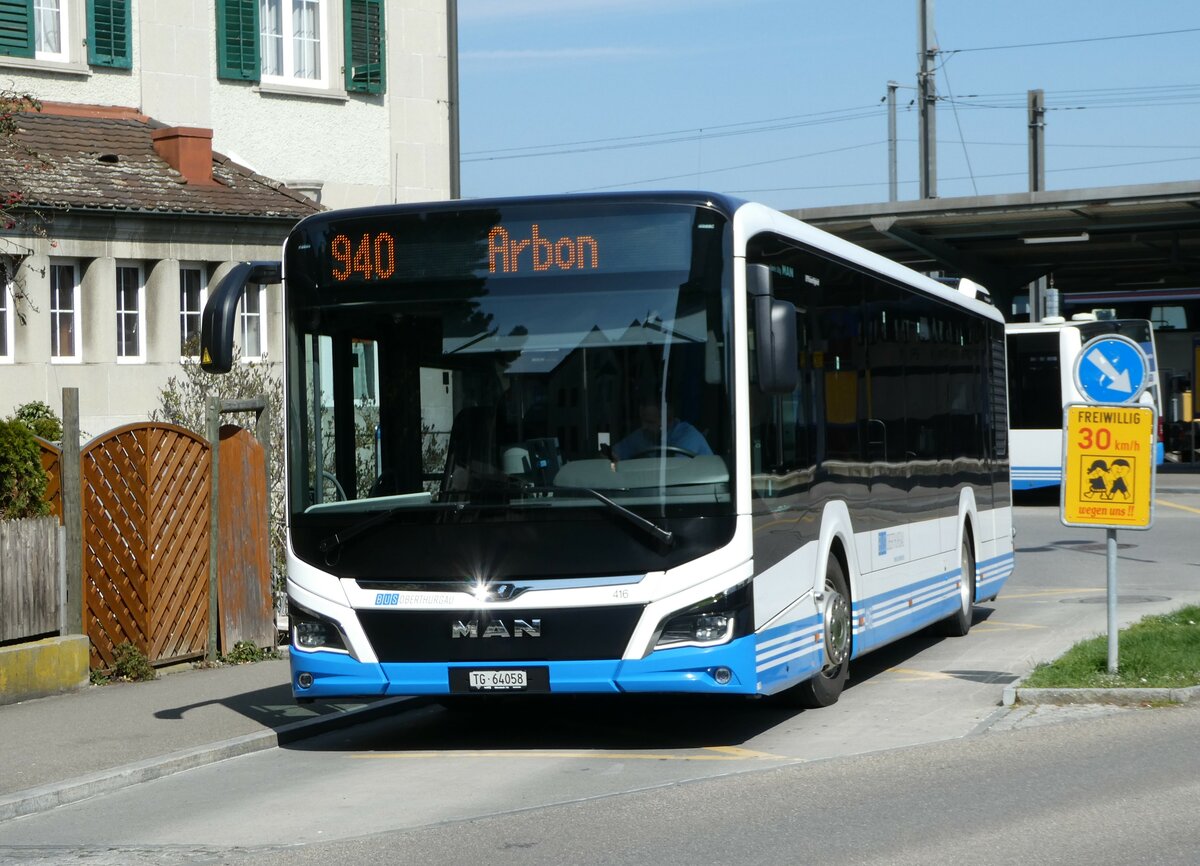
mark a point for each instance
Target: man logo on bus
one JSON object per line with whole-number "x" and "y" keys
{"x": 496, "y": 628}
{"x": 566, "y": 254}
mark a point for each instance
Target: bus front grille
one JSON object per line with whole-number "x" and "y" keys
{"x": 499, "y": 635}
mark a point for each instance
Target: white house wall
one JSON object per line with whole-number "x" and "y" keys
{"x": 356, "y": 149}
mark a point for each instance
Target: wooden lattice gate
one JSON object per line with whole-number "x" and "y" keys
{"x": 146, "y": 542}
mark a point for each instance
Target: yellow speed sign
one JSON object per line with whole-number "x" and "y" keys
{"x": 1108, "y": 466}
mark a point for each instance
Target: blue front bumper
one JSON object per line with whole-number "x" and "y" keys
{"x": 687, "y": 669}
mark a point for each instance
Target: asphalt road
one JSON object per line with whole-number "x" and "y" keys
{"x": 916, "y": 763}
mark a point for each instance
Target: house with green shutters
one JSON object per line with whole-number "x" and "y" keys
{"x": 180, "y": 137}
{"x": 345, "y": 100}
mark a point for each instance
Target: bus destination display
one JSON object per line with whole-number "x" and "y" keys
{"x": 372, "y": 256}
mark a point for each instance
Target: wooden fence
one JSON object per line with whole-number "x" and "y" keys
{"x": 146, "y": 491}
{"x": 29, "y": 568}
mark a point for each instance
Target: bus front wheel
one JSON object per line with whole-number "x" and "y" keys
{"x": 826, "y": 687}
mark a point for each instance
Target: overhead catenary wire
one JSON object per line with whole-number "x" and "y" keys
{"x": 1078, "y": 41}
{"x": 697, "y": 134}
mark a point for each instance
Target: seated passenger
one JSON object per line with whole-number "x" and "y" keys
{"x": 647, "y": 440}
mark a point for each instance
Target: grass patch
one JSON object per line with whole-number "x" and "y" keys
{"x": 1157, "y": 652}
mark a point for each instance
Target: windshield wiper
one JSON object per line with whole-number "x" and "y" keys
{"x": 340, "y": 537}
{"x": 333, "y": 542}
{"x": 651, "y": 528}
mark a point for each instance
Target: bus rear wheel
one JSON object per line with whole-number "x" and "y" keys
{"x": 826, "y": 687}
{"x": 959, "y": 623}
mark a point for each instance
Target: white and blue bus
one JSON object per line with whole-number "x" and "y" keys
{"x": 623, "y": 443}
{"x": 1041, "y": 383}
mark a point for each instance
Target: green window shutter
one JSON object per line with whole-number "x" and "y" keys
{"x": 237, "y": 39}
{"x": 109, "y": 42}
{"x": 364, "y": 46}
{"x": 16, "y": 28}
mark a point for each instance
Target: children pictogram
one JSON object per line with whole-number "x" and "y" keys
{"x": 1106, "y": 480}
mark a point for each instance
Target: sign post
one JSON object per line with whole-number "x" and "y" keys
{"x": 1109, "y": 452}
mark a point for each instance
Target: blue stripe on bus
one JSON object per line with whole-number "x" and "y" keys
{"x": 991, "y": 574}
{"x": 1032, "y": 477}
{"x": 882, "y": 618}
{"x": 897, "y": 612}
{"x": 787, "y": 654}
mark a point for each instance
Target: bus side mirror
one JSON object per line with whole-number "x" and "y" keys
{"x": 220, "y": 313}
{"x": 775, "y": 334}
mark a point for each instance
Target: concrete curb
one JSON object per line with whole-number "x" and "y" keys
{"x": 40, "y": 799}
{"x": 1120, "y": 697}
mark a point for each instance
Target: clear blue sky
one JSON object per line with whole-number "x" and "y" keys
{"x": 782, "y": 100}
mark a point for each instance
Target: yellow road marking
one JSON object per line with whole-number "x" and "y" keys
{"x": 1166, "y": 504}
{"x": 1006, "y": 626}
{"x": 723, "y": 753}
{"x": 739, "y": 752}
{"x": 1051, "y": 592}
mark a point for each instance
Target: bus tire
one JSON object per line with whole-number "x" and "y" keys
{"x": 826, "y": 686}
{"x": 959, "y": 623}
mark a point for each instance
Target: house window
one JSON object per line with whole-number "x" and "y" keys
{"x": 251, "y": 316}
{"x": 292, "y": 41}
{"x": 289, "y": 42}
{"x": 130, "y": 314}
{"x": 55, "y": 32}
{"x": 193, "y": 292}
{"x": 50, "y": 27}
{"x": 64, "y": 312}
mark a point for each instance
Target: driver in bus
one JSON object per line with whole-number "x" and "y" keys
{"x": 647, "y": 440}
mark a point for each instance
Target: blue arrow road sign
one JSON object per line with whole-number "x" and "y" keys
{"x": 1111, "y": 369}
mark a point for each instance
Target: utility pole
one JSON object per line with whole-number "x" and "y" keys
{"x": 1037, "y": 140}
{"x": 1043, "y": 298}
{"x": 893, "y": 185}
{"x": 452, "y": 95}
{"x": 926, "y": 100}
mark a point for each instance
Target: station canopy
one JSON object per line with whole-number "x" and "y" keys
{"x": 1106, "y": 239}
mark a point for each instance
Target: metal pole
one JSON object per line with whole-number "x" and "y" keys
{"x": 926, "y": 100}
{"x": 1112, "y": 600}
{"x": 452, "y": 95}
{"x": 1037, "y": 140}
{"x": 893, "y": 185}
{"x": 1037, "y": 296}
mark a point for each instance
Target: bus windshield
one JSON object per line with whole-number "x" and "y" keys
{"x": 534, "y": 366}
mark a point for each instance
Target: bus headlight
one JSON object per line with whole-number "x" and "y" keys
{"x": 703, "y": 628}
{"x": 313, "y": 632}
{"x": 712, "y": 622}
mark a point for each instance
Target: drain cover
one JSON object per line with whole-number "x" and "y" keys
{"x": 1121, "y": 599}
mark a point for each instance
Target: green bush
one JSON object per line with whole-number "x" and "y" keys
{"x": 129, "y": 663}
{"x": 22, "y": 479}
{"x": 247, "y": 651}
{"x": 40, "y": 418}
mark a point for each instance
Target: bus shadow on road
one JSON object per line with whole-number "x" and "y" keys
{"x": 622, "y": 723}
